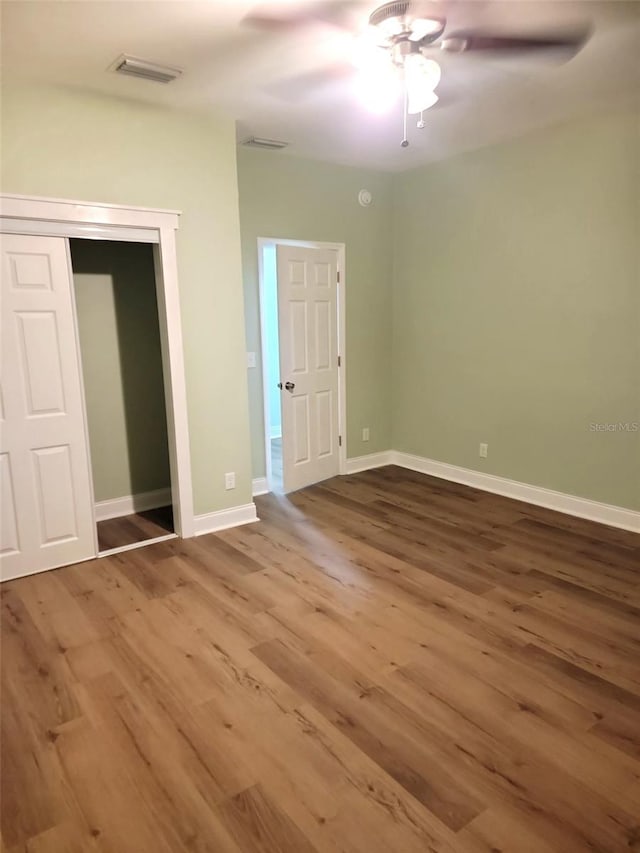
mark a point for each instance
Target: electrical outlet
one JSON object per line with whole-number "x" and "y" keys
{"x": 484, "y": 450}
{"x": 365, "y": 433}
{"x": 230, "y": 480}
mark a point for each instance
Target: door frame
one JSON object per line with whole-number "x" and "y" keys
{"x": 340, "y": 249}
{"x": 22, "y": 214}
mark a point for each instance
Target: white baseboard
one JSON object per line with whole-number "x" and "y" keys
{"x": 128, "y": 504}
{"x": 210, "y": 522}
{"x": 371, "y": 460}
{"x": 134, "y": 545}
{"x": 615, "y": 516}
{"x": 259, "y": 486}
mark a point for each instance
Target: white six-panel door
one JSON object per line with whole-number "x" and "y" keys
{"x": 46, "y": 496}
{"x": 307, "y": 322}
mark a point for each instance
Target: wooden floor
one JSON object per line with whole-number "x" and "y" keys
{"x": 138, "y": 527}
{"x": 386, "y": 663}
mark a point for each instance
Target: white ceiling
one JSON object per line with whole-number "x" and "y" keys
{"x": 235, "y": 70}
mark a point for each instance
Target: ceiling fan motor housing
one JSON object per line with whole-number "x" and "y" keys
{"x": 388, "y": 10}
{"x": 406, "y": 21}
{"x": 403, "y": 48}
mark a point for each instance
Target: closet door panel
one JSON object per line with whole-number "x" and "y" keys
{"x": 48, "y": 518}
{"x": 38, "y": 342}
{"x": 54, "y": 486}
{"x": 9, "y": 542}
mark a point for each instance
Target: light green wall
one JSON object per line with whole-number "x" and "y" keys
{"x": 298, "y": 199}
{"x": 68, "y": 144}
{"x": 122, "y": 367}
{"x": 516, "y": 312}
{"x": 513, "y": 281}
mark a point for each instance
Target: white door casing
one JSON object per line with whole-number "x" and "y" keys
{"x": 21, "y": 214}
{"x": 307, "y": 321}
{"x": 47, "y": 501}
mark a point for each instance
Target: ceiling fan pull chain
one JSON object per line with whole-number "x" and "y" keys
{"x": 405, "y": 113}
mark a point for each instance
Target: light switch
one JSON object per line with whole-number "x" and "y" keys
{"x": 251, "y": 359}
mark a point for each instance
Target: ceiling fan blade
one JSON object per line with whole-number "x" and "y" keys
{"x": 273, "y": 17}
{"x": 465, "y": 41}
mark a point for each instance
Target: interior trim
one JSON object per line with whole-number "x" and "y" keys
{"x": 222, "y": 519}
{"x": 71, "y": 213}
{"x": 340, "y": 249}
{"x": 128, "y": 504}
{"x": 260, "y": 486}
{"x": 614, "y": 516}
{"x": 371, "y": 460}
{"x": 85, "y": 231}
{"x": 135, "y": 545}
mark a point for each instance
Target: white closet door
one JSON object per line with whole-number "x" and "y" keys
{"x": 47, "y": 501}
{"x": 307, "y": 325}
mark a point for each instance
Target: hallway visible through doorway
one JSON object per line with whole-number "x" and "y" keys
{"x": 276, "y": 465}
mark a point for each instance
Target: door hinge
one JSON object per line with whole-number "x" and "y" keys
{"x": 339, "y": 361}
{"x": 339, "y": 441}
{"x": 338, "y": 276}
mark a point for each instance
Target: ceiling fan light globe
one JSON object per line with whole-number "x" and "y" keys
{"x": 425, "y": 72}
{"x": 422, "y": 75}
{"x": 419, "y": 102}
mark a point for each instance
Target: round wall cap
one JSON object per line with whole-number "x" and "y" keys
{"x": 365, "y": 198}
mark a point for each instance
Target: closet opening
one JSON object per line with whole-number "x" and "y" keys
{"x": 120, "y": 352}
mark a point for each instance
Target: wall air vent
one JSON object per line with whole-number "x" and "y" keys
{"x": 146, "y": 70}
{"x": 259, "y": 142}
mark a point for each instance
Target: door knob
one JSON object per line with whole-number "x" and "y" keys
{"x": 289, "y": 385}
{"x": 280, "y": 385}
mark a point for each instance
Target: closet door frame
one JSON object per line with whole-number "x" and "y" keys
{"x": 20, "y": 214}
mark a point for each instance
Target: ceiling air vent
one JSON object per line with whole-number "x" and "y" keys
{"x": 259, "y": 142}
{"x": 146, "y": 70}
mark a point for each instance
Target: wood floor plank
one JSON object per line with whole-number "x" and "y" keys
{"x": 28, "y": 806}
{"x": 107, "y": 794}
{"x": 128, "y": 529}
{"x": 385, "y": 663}
{"x": 67, "y": 837}
{"x": 259, "y": 825}
{"x": 496, "y": 829}
{"x": 38, "y": 671}
{"x": 396, "y": 752}
{"x": 507, "y": 771}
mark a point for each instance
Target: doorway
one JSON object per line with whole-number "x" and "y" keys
{"x": 302, "y": 310}
{"x": 121, "y": 358}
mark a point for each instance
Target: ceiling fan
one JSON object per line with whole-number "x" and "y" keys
{"x": 392, "y": 53}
